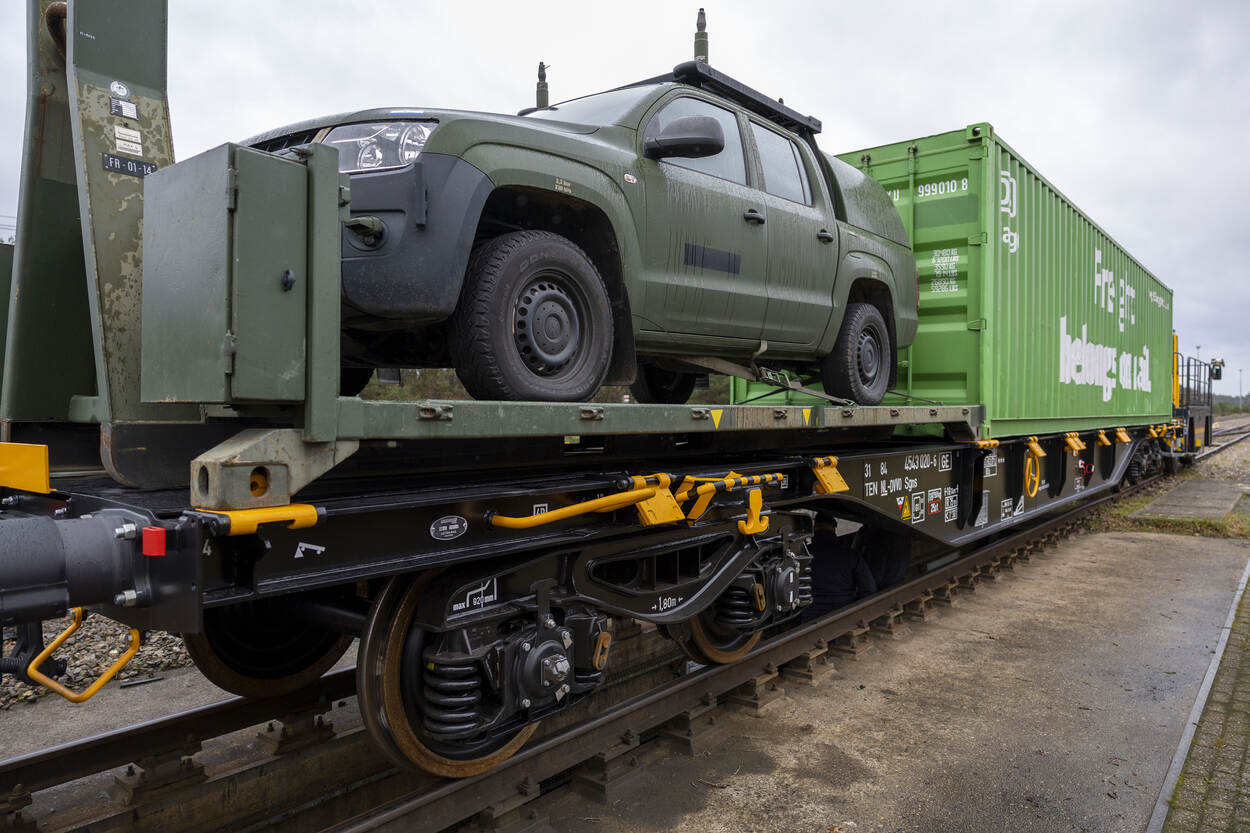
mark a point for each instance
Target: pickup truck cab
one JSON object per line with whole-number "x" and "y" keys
{"x": 642, "y": 235}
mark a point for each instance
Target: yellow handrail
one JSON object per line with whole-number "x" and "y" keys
{"x": 607, "y": 503}
{"x": 33, "y": 672}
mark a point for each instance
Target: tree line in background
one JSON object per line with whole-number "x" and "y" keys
{"x": 1231, "y": 405}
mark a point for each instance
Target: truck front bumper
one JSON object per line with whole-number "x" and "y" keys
{"x": 413, "y": 272}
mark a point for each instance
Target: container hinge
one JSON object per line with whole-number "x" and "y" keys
{"x": 232, "y": 189}
{"x": 978, "y": 239}
{"x": 229, "y": 347}
{"x": 976, "y": 324}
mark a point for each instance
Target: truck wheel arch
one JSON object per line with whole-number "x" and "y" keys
{"x": 512, "y": 207}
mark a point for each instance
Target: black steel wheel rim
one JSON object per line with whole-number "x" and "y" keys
{"x": 262, "y": 640}
{"x": 868, "y": 356}
{"x": 548, "y": 324}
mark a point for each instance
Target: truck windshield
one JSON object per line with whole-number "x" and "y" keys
{"x": 598, "y": 109}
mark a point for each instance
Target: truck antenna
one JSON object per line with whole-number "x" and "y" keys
{"x": 540, "y": 93}
{"x": 700, "y": 38}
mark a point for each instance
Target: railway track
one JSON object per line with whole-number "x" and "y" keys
{"x": 313, "y": 759}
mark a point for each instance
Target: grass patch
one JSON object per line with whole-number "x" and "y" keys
{"x": 1116, "y": 518}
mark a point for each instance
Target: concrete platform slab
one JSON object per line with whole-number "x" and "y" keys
{"x": 1194, "y": 499}
{"x": 1052, "y": 700}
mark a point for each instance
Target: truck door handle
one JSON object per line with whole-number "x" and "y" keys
{"x": 824, "y": 236}
{"x": 753, "y": 216}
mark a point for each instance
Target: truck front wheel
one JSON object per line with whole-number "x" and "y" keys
{"x": 859, "y": 366}
{"x": 534, "y": 321}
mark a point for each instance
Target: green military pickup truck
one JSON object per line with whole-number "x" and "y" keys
{"x": 643, "y": 235}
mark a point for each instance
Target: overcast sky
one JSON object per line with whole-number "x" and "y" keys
{"x": 1136, "y": 110}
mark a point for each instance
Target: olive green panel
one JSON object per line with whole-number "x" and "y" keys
{"x": 428, "y": 419}
{"x": 228, "y": 239}
{"x": 186, "y": 253}
{"x": 120, "y": 131}
{"x": 48, "y": 353}
{"x": 269, "y": 285}
{"x": 676, "y": 291}
{"x": 6, "y": 283}
{"x": 329, "y": 195}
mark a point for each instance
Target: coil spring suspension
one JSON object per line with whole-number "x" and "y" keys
{"x": 453, "y": 689}
{"x": 735, "y": 609}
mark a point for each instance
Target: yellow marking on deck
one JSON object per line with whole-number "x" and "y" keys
{"x": 807, "y": 416}
{"x": 716, "y": 415}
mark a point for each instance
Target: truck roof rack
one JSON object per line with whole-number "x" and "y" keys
{"x": 699, "y": 74}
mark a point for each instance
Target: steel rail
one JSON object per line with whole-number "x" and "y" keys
{"x": 98, "y": 753}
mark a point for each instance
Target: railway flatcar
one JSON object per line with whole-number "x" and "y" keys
{"x": 478, "y": 549}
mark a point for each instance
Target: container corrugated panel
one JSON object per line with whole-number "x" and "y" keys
{"x": 1026, "y": 305}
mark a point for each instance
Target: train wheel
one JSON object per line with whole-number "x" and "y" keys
{"x": 258, "y": 649}
{"x": 391, "y": 686}
{"x": 711, "y": 644}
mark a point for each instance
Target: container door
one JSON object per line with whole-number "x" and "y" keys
{"x": 705, "y": 259}
{"x": 937, "y": 186}
{"x": 802, "y": 242}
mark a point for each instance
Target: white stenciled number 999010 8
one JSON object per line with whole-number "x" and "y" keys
{"x": 946, "y": 186}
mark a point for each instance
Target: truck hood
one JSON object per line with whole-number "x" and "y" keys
{"x": 304, "y": 131}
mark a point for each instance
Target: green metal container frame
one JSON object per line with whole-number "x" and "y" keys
{"x": 1027, "y": 306}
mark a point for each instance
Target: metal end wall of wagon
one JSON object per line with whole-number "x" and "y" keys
{"x": 1026, "y": 305}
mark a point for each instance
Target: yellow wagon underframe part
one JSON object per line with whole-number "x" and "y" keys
{"x": 33, "y": 672}
{"x": 24, "y": 466}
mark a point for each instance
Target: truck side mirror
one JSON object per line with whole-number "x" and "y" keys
{"x": 690, "y": 137}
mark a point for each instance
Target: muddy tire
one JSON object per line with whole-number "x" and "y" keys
{"x": 859, "y": 366}
{"x": 534, "y": 321}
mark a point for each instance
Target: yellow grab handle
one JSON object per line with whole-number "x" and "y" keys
{"x": 755, "y": 522}
{"x": 1032, "y": 474}
{"x": 33, "y": 670}
{"x": 607, "y": 503}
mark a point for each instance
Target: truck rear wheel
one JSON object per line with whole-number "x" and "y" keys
{"x": 534, "y": 321}
{"x": 859, "y": 366}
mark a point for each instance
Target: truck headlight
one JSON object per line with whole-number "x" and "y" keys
{"x": 373, "y": 146}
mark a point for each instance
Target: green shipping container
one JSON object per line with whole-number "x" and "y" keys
{"x": 1026, "y": 306}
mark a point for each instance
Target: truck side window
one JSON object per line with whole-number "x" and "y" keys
{"x": 729, "y": 163}
{"x": 783, "y": 166}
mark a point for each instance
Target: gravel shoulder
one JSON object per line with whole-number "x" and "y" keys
{"x": 1051, "y": 700}
{"x": 90, "y": 652}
